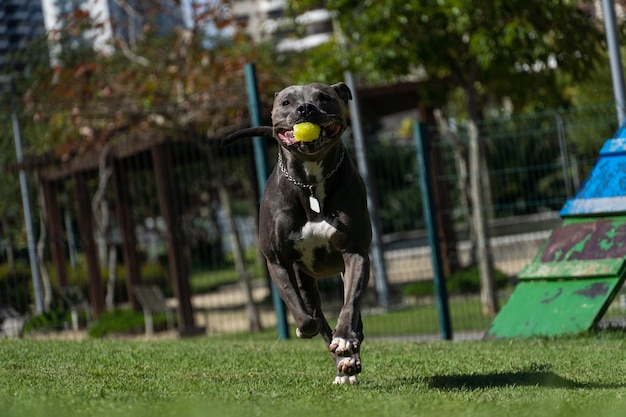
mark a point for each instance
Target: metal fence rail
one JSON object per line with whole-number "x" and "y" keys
{"x": 533, "y": 163}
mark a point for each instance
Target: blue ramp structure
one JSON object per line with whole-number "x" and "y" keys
{"x": 573, "y": 279}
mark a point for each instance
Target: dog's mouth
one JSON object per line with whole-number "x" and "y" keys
{"x": 327, "y": 133}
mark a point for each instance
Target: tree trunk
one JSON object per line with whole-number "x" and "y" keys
{"x": 112, "y": 267}
{"x": 463, "y": 178}
{"x": 240, "y": 261}
{"x": 102, "y": 218}
{"x": 488, "y": 295}
{"x": 41, "y": 261}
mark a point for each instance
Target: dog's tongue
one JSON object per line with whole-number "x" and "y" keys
{"x": 287, "y": 137}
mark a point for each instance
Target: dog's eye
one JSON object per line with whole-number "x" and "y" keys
{"x": 285, "y": 103}
{"x": 324, "y": 97}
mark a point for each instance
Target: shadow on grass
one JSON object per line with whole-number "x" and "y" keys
{"x": 537, "y": 376}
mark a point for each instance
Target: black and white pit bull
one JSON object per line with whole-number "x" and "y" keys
{"x": 314, "y": 221}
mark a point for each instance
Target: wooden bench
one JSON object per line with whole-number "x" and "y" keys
{"x": 11, "y": 322}
{"x": 153, "y": 302}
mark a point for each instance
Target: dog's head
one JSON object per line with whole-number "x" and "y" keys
{"x": 317, "y": 103}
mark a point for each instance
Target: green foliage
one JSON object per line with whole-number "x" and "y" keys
{"x": 398, "y": 195}
{"x": 488, "y": 49}
{"x": 185, "y": 80}
{"x": 526, "y": 160}
{"x": 588, "y": 129}
{"x": 124, "y": 322}
{"x": 462, "y": 282}
{"x": 15, "y": 286}
{"x": 152, "y": 273}
{"x": 50, "y": 321}
{"x": 525, "y": 183}
{"x": 10, "y": 209}
{"x": 210, "y": 280}
{"x": 467, "y": 280}
{"x": 419, "y": 289}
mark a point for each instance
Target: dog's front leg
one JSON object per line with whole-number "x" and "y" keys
{"x": 311, "y": 298}
{"x": 348, "y": 335}
{"x": 287, "y": 286}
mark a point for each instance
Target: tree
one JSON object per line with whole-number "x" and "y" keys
{"x": 526, "y": 50}
{"x": 489, "y": 49}
{"x": 186, "y": 84}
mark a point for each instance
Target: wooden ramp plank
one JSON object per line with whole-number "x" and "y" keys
{"x": 581, "y": 248}
{"x": 550, "y": 308}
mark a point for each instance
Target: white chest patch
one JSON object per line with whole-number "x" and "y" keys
{"x": 316, "y": 170}
{"x": 314, "y": 235}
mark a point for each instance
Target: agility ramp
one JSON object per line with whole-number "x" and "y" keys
{"x": 573, "y": 279}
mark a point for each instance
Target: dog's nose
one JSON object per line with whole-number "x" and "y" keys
{"x": 305, "y": 109}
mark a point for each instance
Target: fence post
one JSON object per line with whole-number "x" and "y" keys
{"x": 441, "y": 293}
{"x": 260, "y": 160}
{"x": 378, "y": 260}
{"x": 28, "y": 221}
{"x": 615, "y": 59}
{"x": 567, "y": 172}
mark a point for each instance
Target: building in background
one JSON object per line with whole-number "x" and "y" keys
{"x": 122, "y": 19}
{"x": 25, "y": 21}
{"x": 21, "y": 22}
{"x": 129, "y": 17}
{"x": 266, "y": 20}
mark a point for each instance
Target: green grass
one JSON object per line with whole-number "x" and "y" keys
{"x": 209, "y": 280}
{"x": 232, "y": 376}
{"x": 465, "y": 314}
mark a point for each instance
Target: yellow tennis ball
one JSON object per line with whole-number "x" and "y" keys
{"x": 306, "y": 132}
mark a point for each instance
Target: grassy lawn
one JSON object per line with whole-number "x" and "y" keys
{"x": 232, "y": 376}
{"x": 208, "y": 280}
{"x": 465, "y": 314}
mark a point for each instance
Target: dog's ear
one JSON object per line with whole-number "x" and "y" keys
{"x": 343, "y": 91}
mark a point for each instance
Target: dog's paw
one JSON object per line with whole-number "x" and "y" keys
{"x": 303, "y": 335}
{"x": 308, "y": 329}
{"x": 345, "y": 379}
{"x": 349, "y": 366}
{"x": 347, "y": 360}
{"x": 343, "y": 347}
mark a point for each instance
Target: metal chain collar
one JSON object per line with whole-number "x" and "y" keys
{"x": 311, "y": 187}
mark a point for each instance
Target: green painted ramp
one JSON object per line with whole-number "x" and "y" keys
{"x": 581, "y": 248}
{"x": 550, "y": 308}
{"x": 569, "y": 285}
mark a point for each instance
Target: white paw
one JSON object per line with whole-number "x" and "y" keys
{"x": 347, "y": 366}
{"x": 344, "y": 379}
{"x": 341, "y": 347}
{"x": 298, "y": 333}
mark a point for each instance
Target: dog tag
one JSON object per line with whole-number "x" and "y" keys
{"x": 314, "y": 204}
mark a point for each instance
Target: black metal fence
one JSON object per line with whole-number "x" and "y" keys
{"x": 205, "y": 204}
